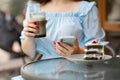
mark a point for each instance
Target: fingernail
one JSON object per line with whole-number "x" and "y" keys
{"x": 34, "y": 23}
{"x": 36, "y": 27}
{"x": 54, "y": 43}
{"x": 58, "y": 42}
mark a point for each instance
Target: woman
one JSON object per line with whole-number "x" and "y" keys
{"x": 64, "y": 18}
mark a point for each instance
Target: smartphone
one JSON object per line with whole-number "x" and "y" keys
{"x": 68, "y": 40}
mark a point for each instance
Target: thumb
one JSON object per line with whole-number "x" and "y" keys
{"x": 76, "y": 43}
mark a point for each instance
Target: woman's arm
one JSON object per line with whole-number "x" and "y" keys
{"x": 28, "y": 43}
{"x": 92, "y": 28}
{"x": 27, "y": 37}
{"x": 28, "y": 47}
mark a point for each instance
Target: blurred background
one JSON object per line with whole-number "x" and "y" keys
{"x": 11, "y": 17}
{"x": 11, "y": 56}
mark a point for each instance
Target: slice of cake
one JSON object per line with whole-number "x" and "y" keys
{"x": 94, "y": 51}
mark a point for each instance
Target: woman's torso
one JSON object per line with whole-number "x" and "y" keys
{"x": 59, "y": 24}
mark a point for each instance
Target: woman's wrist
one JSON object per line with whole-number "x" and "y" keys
{"x": 30, "y": 38}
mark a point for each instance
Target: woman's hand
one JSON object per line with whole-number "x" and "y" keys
{"x": 66, "y": 50}
{"x": 31, "y": 29}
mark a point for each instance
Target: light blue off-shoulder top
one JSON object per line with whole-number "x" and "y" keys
{"x": 83, "y": 24}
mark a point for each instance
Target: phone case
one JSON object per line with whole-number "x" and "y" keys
{"x": 68, "y": 40}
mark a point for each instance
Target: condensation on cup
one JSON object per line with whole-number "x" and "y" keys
{"x": 40, "y": 20}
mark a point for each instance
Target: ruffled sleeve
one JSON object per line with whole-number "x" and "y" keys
{"x": 91, "y": 25}
{"x": 85, "y": 7}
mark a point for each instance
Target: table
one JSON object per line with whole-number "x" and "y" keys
{"x": 63, "y": 69}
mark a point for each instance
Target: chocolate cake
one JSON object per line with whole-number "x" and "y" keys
{"x": 94, "y": 51}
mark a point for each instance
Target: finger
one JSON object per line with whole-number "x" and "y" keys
{"x": 61, "y": 49}
{"x": 31, "y": 21}
{"x": 60, "y": 52}
{"x": 76, "y": 43}
{"x": 66, "y": 46}
{"x": 32, "y": 25}
{"x": 28, "y": 31}
{"x": 31, "y": 30}
{"x": 29, "y": 34}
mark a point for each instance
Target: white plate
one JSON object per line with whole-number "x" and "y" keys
{"x": 79, "y": 57}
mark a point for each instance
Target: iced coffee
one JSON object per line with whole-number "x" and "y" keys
{"x": 40, "y": 20}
